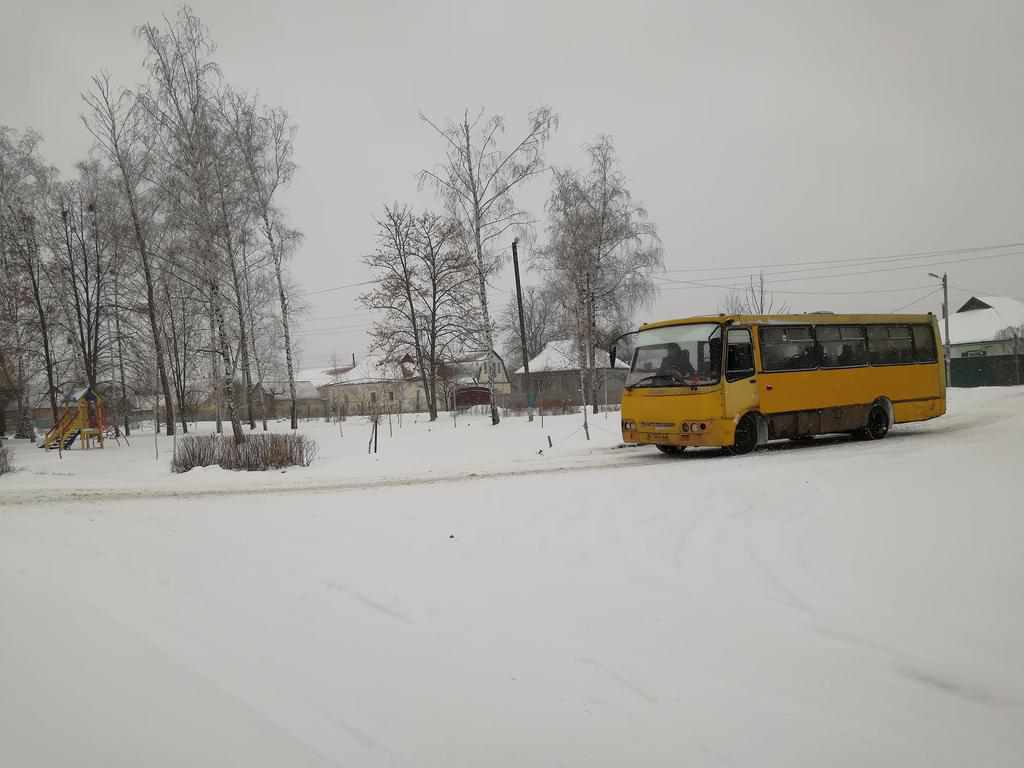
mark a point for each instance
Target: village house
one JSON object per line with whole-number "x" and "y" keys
{"x": 986, "y": 343}
{"x": 463, "y": 383}
{"x": 555, "y": 378}
{"x": 376, "y": 385}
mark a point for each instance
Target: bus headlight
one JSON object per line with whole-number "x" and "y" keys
{"x": 628, "y": 425}
{"x": 695, "y": 426}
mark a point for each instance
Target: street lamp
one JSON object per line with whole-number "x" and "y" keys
{"x": 948, "y": 353}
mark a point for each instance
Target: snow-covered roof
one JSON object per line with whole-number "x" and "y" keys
{"x": 562, "y": 356}
{"x": 304, "y": 390}
{"x": 320, "y": 377}
{"x": 982, "y": 318}
{"x": 374, "y": 368}
{"x": 470, "y": 368}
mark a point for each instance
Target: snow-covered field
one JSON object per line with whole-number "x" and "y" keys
{"x": 415, "y": 451}
{"x": 461, "y": 599}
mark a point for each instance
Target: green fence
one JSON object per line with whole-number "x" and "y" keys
{"x": 994, "y": 371}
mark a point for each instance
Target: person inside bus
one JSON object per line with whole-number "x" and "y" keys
{"x": 676, "y": 362}
{"x": 714, "y": 362}
{"x": 846, "y": 357}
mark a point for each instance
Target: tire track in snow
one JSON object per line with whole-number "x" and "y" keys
{"x": 370, "y": 603}
{"x": 623, "y": 681}
{"x": 342, "y": 486}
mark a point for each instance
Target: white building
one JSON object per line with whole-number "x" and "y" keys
{"x": 555, "y": 376}
{"x": 375, "y": 385}
{"x": 983, "y": 350}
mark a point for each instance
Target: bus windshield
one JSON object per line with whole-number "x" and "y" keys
{"x": 677, "y": 356}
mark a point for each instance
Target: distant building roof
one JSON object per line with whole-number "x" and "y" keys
{"x": 471, "y": 368}
{"x": 981, "y": 318}
{"x": 320, "y": 377}
{"x": 562, "y": 355}
{"x": 304, "y": 390}
{"x": 376, "y": 369}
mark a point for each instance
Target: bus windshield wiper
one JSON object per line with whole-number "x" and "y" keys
{"x": 692, "y": 380}
{"x": 651, "y": 377}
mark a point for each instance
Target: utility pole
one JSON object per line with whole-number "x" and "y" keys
{"x": 522, "y": 331}
{"x": 948, "y": 349}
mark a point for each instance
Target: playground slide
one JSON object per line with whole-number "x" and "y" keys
{"x": 63, "y": 431}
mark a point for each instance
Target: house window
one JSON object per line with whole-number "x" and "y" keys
{"x": 391, "y": 396}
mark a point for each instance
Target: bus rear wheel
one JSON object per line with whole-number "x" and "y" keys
{"x": 745, "y": 439}
{"x": 672, "y": 450}
{"x": 878, "y": 424}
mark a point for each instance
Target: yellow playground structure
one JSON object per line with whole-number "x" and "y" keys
{"x": 83, "y": 419}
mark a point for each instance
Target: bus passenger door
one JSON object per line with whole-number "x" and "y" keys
{"x": 741, "y": 392}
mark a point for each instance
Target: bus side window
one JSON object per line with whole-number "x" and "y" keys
{"x": 841, "y": 346}
{"x": 890, "y": 344}
{"x": 788, "y": 348}
{"x": 924, "y": 344}
{"x": 740, "y": 356}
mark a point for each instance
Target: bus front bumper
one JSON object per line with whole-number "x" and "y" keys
{"x": 715, "y": 432}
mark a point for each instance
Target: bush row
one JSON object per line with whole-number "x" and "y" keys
{"x": 257, "y": 453}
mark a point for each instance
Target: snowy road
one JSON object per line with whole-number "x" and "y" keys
{"x": 836, "y": 604}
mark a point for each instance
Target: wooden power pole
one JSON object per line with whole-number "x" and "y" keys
{"x": 948, "y": 351}
{"x": 522, "y": 331}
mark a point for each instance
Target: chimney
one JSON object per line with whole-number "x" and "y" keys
{"x": 353, "y": 359}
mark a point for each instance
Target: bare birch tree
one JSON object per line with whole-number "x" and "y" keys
{"x": 602, "y": 252}
{"x": 424, "y": 291}
{"x": 85, "y": 261}
{"x": 394, "y": 265}
{"x": 754, "y": 299}
{"x": 265, "y": 140}
{"x": 178, "y": 102}
{"x": 476, "y": 181}
{"x": 116, "y": 122}
{"x": 22, "y": 243}
{"x": 446, "y": 296}
{"x": 25, "y": 182}
{"x": 625, "y": 249}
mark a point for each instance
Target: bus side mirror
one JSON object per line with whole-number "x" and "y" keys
{"x": 611, "y": 357}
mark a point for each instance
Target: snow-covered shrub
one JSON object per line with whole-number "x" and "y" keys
{"x": 5, "y": 460}
{"x": 258, "y": 452}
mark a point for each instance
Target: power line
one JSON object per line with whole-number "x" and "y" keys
{"x": 698, "y": 286}
{"x": 316, "y": 331}
{"x": 737, "y": 286}
{"x": 341, "y": 287}
{"x": 852, "y": 261}
{"x": 356, "y": 313}
{"x": 917, "y": 300}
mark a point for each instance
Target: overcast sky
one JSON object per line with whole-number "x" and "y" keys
{"x": 754, "y": 133}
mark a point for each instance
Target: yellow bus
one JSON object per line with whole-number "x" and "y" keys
{"x": 782, "y": 376}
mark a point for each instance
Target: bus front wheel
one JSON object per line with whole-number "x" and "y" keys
{"x": 745, "y": 439}
{"x": 672, "y": 450}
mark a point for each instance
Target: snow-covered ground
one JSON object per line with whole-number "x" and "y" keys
{"x": 463, "y": 600}
{"x": 414, "y": 450}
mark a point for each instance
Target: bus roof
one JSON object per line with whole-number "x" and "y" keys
{"x": 809, "y": 318}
